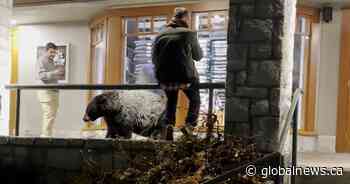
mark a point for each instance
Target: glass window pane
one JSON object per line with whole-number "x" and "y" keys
{"x": 159, "y": 23}
{"x": 130, "y": 25}
{"x": 144, "y": 24}
{"x": 218, "y": 21}
{"x": 201, "y": 21}
{"x": 138, "y": 60}
{"x": 212, "y": 68}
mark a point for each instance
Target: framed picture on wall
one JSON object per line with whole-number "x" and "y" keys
{"x": 61, "y": 60}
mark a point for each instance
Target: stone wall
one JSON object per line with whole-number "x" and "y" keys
{"x": 259, "y": 67}
{"x": 43, "y": 160}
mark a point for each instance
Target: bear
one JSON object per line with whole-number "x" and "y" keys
{"x": 127, "y": 112}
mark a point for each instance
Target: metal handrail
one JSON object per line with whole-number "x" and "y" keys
{"x": 287, "y": 125}
{"x": 103, "y": 86}
{"x": 18, "y": 87}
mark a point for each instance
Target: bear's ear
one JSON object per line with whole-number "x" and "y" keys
{"x": 101, "y": 99}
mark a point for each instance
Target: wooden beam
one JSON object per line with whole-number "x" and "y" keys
{"x": 313, "y": 13}
{"x": 13, "y": 80}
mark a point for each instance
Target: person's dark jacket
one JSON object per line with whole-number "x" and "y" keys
{"x": 173, "y": 53}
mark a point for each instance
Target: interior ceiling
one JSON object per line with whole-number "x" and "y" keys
{"x": 80, "y": 11}
{"x": 320, "y": 3}
{"x": 84, "y": 11}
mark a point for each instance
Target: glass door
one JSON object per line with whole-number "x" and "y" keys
{"x": 98, "y": 64}
{"x": 212, "y": 36}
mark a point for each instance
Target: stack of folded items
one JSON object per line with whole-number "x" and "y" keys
{"x": 143, "y": 54}
{"x": 218, "y": 69}
{"x": 219, "y": 60}
{"x": 203, "y": 69}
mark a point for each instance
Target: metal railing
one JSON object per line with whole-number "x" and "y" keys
{"x": 18, "y": 88}
{"x": 291, "y": 123}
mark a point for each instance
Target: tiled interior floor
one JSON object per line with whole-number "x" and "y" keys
{"x": 325, "y": 160}
{"x": 329, "y": 160}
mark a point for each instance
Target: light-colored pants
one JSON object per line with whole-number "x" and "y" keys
{"x": 49, "y": 100}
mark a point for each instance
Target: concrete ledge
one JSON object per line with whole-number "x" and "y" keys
{"x": 43, "y": 157}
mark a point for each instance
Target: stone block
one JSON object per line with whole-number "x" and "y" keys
{"x": 260, "y": 108}
{"x": 277, "y": 48}
{"x": 63, "y": 158}
{"x": 103, "y": 158}
{"x": 255, "y": 30}
{"x": 277, "y": 30}
{"x": 55, "y": 176}
{"x": 120, "y": 159}
{"x": 237, "y": 57}
{"x": 23, "y": 141}
{"x": 98, "y": 143}
{"x": 278, "y": 8}
{"x": 241, "y": 77}
{"x": 230, "y": 81}
{"x": 260, "y": 51}
{"x": 274, "y": 101}
{"x": 238, "y": 2}
{"x": 21, "y": 156}
{"x": 76, "y": 143}
{"x": 50, "y": 142}
{"x": 264, "y": 73}
{"x": 237, "y": 109}
{"x": 241, "y": 129}
{"x": 4, "y": 140}
{"x": 265, "y": 8}
{"x": 246, "y": 10}
{"x": 265, "y": 130}
{"x": 7, "y": 161}
{"x": 38, "y": 157}
{"x": 5, "y": 150}
{"x": 251, "y": 92}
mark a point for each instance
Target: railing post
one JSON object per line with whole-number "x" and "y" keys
{"x": 18, "y": 109}
{"x": 210, "y": 105}
{"x": 294, "y": 143}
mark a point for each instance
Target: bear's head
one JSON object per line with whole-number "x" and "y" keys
{"x": 100, "y": 106}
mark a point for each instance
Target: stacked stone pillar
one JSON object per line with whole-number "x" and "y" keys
{"x": 259, "y": 71}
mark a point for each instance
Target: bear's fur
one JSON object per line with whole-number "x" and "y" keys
{"x": 127, "y": 112}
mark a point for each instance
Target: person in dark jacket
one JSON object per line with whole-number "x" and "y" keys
{"x": 174, "y": 52}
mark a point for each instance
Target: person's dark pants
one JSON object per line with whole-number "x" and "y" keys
{"x": 193, "y": 96}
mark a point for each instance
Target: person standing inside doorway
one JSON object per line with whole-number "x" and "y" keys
{"x": 48, "y": 73}
{"x": 174, "y": 52}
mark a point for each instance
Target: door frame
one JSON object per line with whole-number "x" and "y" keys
{"x": 312, "y": 59}
{"x": 343, "y": 125}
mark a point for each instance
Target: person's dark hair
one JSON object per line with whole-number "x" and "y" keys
{"x": 180, "y": 12}
{"x": 51, "y": 45}
{"x": 177, "y": 21}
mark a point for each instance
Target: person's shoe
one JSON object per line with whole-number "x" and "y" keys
{"x": 187, "y": 130}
